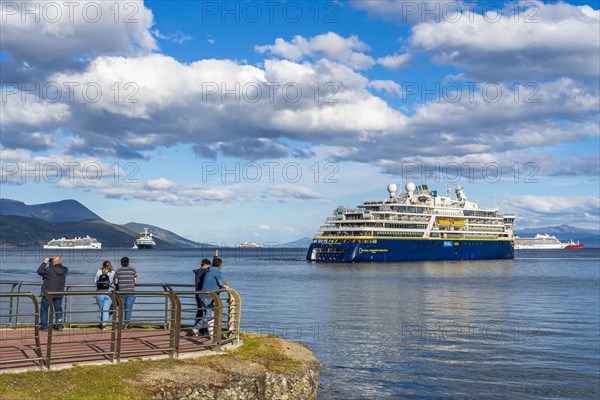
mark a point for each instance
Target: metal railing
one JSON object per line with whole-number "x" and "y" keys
{"x": 10, "y": 340}
{"x": 163, "y": 316}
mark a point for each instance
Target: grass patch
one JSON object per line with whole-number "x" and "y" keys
{"x": 128, "y": 380}
{"x": 83, "y": 382}
{"x": 266, "y": 350}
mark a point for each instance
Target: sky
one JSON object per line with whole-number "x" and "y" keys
{"x": 252, "y": 121}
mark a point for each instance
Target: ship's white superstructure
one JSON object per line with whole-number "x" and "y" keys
{"x": 83, "y": 243}
{"x": 540, "y": 241}
{"x": 419, "y": 213}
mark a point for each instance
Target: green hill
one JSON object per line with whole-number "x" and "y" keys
{"x": 58, "y": 211}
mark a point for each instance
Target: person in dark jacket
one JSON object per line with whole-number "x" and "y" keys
{"x": 199, "y": 274}
{"x": 213, "y": 281}
{"x": 54, "y": 276}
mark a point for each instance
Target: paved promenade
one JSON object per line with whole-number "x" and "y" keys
{"x": 90, "y": 345}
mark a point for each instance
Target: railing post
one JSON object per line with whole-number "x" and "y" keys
{"x": 50, "y": 329}
{"x": 175, "y": 321}
{"x": 167, "y": 288}
{"x": 119, "y": 326}
{"x": 36, "y": 329}
{"x": 10, "y": 303}
{"x": 113, "y": 334}
{"x": 235, "y": 309}
{"x": 17, "y": 312}
{"x": 68, "y": 307}
{"x": 217, "y": 320}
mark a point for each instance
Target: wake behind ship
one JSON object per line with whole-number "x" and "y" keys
{"x": 418, "y": 225}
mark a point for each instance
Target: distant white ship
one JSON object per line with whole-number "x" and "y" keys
{"x": 145, "y": 241}
{"x": 539, "y": 242}
{"x": 249, "y": 245}
{"x": 77, "y": 243}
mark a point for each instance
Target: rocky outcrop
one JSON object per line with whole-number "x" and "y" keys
{"x": 289, "y": 371}
{"x": 297, "y": 386}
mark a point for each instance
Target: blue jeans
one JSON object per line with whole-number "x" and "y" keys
{"x": 58, "y": 312}
{"x": 199, "y": 311}
{"x": 128, "y": 301}
{"x": 104, "y": 301}
{"x": 209, "y": 314}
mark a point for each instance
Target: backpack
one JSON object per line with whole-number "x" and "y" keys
{"x": 103, "y": 282}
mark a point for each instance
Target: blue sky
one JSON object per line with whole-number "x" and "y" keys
{"x": 251, "y": 121}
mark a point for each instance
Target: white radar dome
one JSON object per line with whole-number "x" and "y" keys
{"x": 410, "y": 187}
{"x": 392, "y": 188}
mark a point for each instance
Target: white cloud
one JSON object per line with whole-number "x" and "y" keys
{"x": 177, "y": 37}
{"x": 542, "y": 40}
{"x": 188, "y": 105}
{"x": 403, "y": 11}
{"x": 159, "y": 184}
{"x": 394, "y": 62}
{"x": 554, "y": 210}
{"x": 42, "y": 32}
{"x": 348, "y": 51}
{"x": 20, "y": 107}
{"x": 297, "y": 192}
{"x": 386, "y": 86}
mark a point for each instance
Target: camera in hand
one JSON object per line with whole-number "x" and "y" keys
{"x": 50, "y": 260}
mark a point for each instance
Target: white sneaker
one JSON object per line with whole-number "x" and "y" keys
{"x": 196, "y": 332}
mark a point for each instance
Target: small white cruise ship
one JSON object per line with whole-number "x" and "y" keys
{"x": 78, "y": 243}
{"x": 544, "y": 242}
{"x": 249, "y": 245}
{"x": 145, "y": 241}
{"x": 417, "y": 225}
{"x": 541, "y": 242}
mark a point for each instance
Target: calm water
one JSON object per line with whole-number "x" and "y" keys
{"x": 526, "y": 328}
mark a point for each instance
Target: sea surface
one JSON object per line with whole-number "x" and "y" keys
{"x": 526, "y": 328}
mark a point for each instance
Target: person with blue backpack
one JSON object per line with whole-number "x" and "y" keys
{"x": 104, "y": 282}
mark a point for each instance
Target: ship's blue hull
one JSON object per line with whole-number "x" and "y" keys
{"x": 411, "y": 250}
{"x": 144, "y": 246}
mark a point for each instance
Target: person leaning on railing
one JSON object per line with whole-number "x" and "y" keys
{"x": 213, "y": 281}
{"x": 125, "y": 280}
{"x": 54, "y": 276}
{"x": 104, "y": 282}
{"x": 199, "y": 274}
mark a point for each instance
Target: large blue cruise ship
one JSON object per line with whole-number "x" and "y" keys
{"x": 414, "y": 226}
